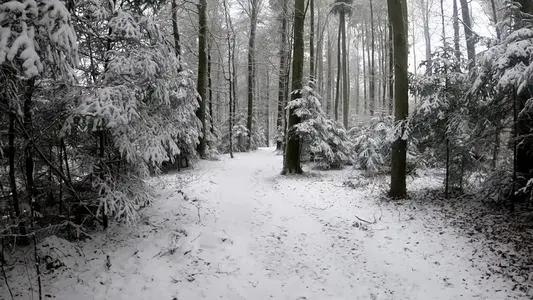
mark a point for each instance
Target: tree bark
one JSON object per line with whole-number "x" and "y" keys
{"x": 339, "y": 67}
{"x": 371, "y": 77}
{"x": 469, "y": 34}
{"x": 456, "y": 45}
{"x": 292, "y": 152}
{"x": 175, "y": 30}
{"x": 398, "y": 16}
{"x": 202, "y": 74}
{"x": 345, "y": 79}
{"x": 280, "y": 120}
{"x": 251, "y": 69}
{"x": 311, "y": 40}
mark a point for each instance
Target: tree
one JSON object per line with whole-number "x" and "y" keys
{"x": 202, "y": 75}
{"x": 291, "y": 163}
{"x": 398, "y": 18}
{"x": 280, "y": 120}
{"x": 469, "y": 34}
{"x": 253, "y": 11}
{"x": 342, "y": 8}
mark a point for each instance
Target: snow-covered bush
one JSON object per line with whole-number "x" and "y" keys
{"x": 503, "y": 82}
{"x": 142, "y": 107}
{"x": 240, "y": 136}
{"x": 327, "y": 140}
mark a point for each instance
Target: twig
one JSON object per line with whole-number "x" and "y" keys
{"x": 37, "y": 267}
{"x": 2, "y": 260}
{"x": 363, "y": 220}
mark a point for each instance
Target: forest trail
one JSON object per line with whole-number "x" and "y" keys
{"x": 245, "y": 232}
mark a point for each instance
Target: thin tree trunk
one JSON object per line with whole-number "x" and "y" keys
{"x": 175, "y": 31}
{"x": 267, "y": 74}
{"x": 28, "y": 150}
{"x": 329, "y": 83}
{"x": 456, "y": 46}
{"x": 398, "y": 16}
{"x": 12, "y": 168}
{"x": 311, "y": 40}
{"x": 391, "y": 69}
{"x": 427, "y": 36}
{"x": 230, "y": 41}
{"x": 371, "y": 77}
{"x": 339, "y": 68}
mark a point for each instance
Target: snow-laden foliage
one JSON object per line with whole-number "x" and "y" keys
{"x": 327, "y": 140}
{"x": 240, "y": 135}
{"x": 35, "y": 34}
{"x": 142, "y": 106}
{"x": 441, "y": 122}
{"x": 372, "y": 144}
{"x": 503, "y": 83}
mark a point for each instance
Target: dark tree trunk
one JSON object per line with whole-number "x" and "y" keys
{"x": 292, "y": 151}
{"x": 12, "y": 168}
{"x": 345, "y": 79}
{"x": 251, "y": 69}
{"x": 312, "y": 40}
{"x": 280, "y": 120}
{"x": 456, "y": 45}
{"x": 175, "y": 30}
{"x": 202, "y": 74}
{"x": 391, "y": 69}
{"x": 210, "y": 88}
{"x": 28, "y": 149}
{"x": 398, "y": 17}
{"x": 339, "y": 68}
{"x": 469, "y": 34}
{"x": 371, "y": 77}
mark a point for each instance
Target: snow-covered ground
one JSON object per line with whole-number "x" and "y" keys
{"x": 236, "y": 229}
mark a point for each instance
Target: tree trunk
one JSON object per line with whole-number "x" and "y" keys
{"x": 251, "y": 69}
{"x": 210, "y": 88}
{"x": 329, "y": 83}
{"x": 427, "y": 36}
{"x": 391, "y": 69}
{"x": 267, "y": 113}
{"x": 280, "y": 120}
{"x": 230, "y": 41}
{"x": 202, "y": 74}
{"x": 292, "y": 152}
{"x": 28, "y": 149}
{"x": 398, "y": 16}
{"x": 339, "y": 68}
{"x": 456, "y": 46}
{"x": 12, "y": 168}
{"x": 371, "y": 77}
{"x": 175, "y": 31}
{"x": 345, "y": 77}
{"x": 311, "y": 40}
{"x": 469, "y": 34}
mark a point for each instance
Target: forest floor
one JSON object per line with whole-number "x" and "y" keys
{"x": 236, "y": 229}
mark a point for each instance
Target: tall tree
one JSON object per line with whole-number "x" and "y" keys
{"x": 398, "y": 17}
{"x": 201, "y": 85}
{"x": 280, "y": 120}
{"x": 312, "y": 39}
{"x": 371, "y": 75}
{"x": 291, "y": 163}
{"x": 253, "y": 11}
{"x": 469, "y": 34}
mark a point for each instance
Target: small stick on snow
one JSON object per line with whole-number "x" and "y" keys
{"x": 363, "y": 220}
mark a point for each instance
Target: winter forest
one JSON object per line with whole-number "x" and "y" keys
{"x": 266, "y": 149}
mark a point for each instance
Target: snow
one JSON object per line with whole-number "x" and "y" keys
{"x": 236, "y": 229}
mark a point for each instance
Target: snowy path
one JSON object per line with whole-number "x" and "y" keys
{"x": 246, "y": 232}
